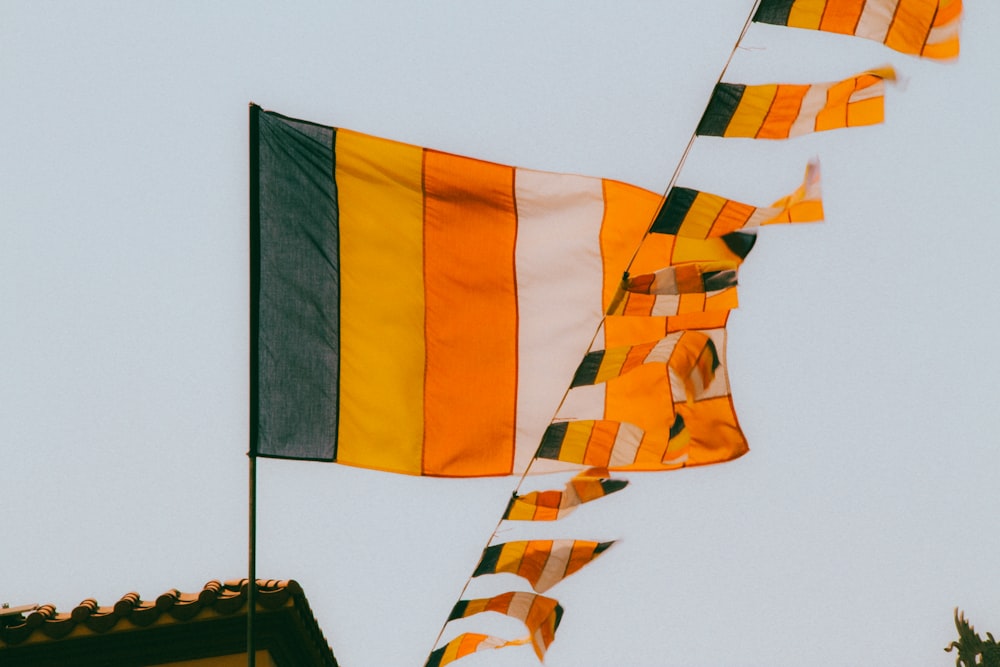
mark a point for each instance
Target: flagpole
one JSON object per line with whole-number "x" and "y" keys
{"x": 663, "y": 199}
{"x": 254, "y": 390}
{"x": 252, "y": 563}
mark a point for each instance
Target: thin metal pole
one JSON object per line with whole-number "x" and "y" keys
{"x": 254, "y": 390}
{"x": 252, "y": 564}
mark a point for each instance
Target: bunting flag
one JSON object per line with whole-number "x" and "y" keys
{"x": 780, "y": 111}
{"x": 684, "y": 352}
{"x": 644, "y": 414}
{"x": 681, "y": 288}
{"x": 544, "y": 563}
{"x": 541, "y": 615}
{"x": 588, "y": 485}
{"x": 695, "y": 214}
{"x": 402, "y": 298}
{"x": 617, "y": 445}
{"x": 466, "y": 644}
{"x": 928, "y": 28}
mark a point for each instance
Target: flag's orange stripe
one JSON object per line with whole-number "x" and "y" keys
{"x": 580, "y": 554}
{"x": 732, "y": 217}
{"x": 783, "y": 112}
{"x": 536, "y": 554}
{"x": 500, "y": 603}
{"x": 866, "y": 112}
{"x": 712, "y": 319}
{"x": 842, "y": 16}
{"x": 948, "y": 12}
{"x": 715, "y": 431}
{"x": 642, "y": 398}
{"x": 602, "y": 441}
{"x": 910, "y": 26}
{"x": 470, "y": 228}
{"x": 806, "y": 14}
{"x": 628, "y": 213}
{"x": 636, "y": 356}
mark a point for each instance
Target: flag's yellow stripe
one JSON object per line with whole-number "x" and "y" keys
{"x": 702, "y": 215}
{"x": 471, "y": 321}
{"x": 806, "y": 14}
{"x": 382, "y": 296}
{"x": 751, "y": 111}
{"x": 574, "y": 445}
{"x": 611, "y": 364}
{"x": 511, "y": 557}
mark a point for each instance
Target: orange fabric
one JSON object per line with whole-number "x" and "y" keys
{"x": 732, "y": 217}
{"x": 842, "y": 16}
{"x": 783, "y": 112}
{"x": 715, "y": 431}
{"x": 910, "y": 25}
{"x": 486, "y": 230}
{"x": 630, "y": 211}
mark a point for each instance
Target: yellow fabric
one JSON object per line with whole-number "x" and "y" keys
{"x": 385, "y": 404}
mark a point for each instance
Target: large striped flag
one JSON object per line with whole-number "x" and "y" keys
{"x": 928, "y": 28}
{"x": 544, "y": 563}
{"x": 780, "y": 111}
{"x": 420, "y": 312}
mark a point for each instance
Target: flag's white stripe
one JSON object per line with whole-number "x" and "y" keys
{"x": 943, "y": 33}
{"x": 554, "y": 569}
{"x": 868, "y": 92}
{"x": 812, "y": 103}
{"x": 662, "y": 350}
{"x": 875, "y": 19}
{"x": 626, "y": 445}
{"x": 520, "y": 605}
{"x": 559, "y": 284}
{"x": 666, "y": 305}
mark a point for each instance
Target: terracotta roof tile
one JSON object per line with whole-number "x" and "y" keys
{"x": 216, "y": 599}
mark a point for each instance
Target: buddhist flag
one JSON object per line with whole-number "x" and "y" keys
{"x": 780, "y": 111}
{"x": 544, "y": 563}
{"x": 466, "y": 644}
{"x": 695, "y": 214}
{"x": 928, "y": 28}
{"x": 588, "y": 485}
{"x": 541, "y": 615}
{"x": 420, "y": 312}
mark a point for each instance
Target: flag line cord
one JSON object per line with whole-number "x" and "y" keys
{"x": 663, "y": 199}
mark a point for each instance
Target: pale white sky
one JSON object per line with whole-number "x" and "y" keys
{"x": 862, "y": 357}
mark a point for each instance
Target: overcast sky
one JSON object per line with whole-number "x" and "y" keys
{"x": 862, "y": 357}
